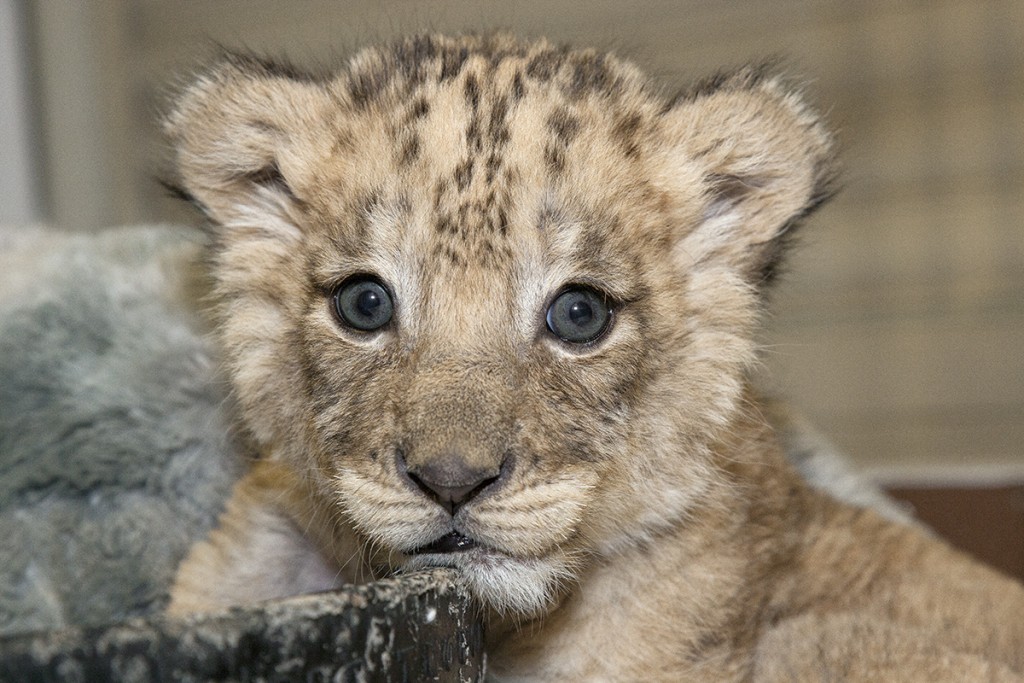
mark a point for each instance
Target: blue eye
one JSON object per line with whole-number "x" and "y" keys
{"x": 363, "y": 304}
{"x": 578, "y": 315}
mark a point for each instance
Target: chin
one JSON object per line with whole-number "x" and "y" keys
{"x": 517, "y": 587}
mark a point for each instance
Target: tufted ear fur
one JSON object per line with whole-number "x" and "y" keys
{"x": 238, "y": 131}
{"x": 246, "y": 134}
{"x": 759, "y": 160}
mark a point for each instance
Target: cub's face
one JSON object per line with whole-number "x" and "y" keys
{"x": 493, "y": 300}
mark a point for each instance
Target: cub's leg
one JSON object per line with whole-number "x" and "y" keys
{"x": 865, "y": 647}
{"x": 266, "y": 546}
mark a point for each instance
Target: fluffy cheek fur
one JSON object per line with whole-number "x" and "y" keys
{"x": 528, "y": 528}
{"x": 259, "y": 271}
{"x": 684, "y": 394}
{"x": 526, "y": 533}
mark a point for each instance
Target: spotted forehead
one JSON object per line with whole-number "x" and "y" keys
{"x": 483, "y": 136}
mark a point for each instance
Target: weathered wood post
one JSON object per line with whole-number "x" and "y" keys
{"x": 420, "y": 627}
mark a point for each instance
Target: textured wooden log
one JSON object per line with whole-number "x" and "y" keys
{"x": 419, "y": 627}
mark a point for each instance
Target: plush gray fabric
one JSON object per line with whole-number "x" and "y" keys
{"x": 112, "y": 439}
{"x": 115, "y": 447}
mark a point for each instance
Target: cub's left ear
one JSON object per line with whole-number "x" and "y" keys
{"x": 748, "y": 159}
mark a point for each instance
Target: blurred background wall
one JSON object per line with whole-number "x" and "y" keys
{"x": 900, "y": 328}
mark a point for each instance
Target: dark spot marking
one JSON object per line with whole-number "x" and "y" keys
{"x": 626, "y": 133}
{"x": 366, "y": 86}
{"x": 444, "y": 224}
{"x": 590, "y": 74}
{"x": 564, "y": 125}
{"x": 419, "y": 109}
{"x": 454, "y": 256}
{"x": 452, "y": 62}
{"x": 497, "y": 128}
{"x": 511, "y": 176}
{"x": 518, "y": 87}
{"x": 410, "y": 150}
{"x": 581, "y": 450}
{"x": 463, "y": 175}
{"x": 343, "y": 143}
{"x": 554, "y": 157}
{"x": 502, "y": 220}
{"x": 592, "y": 245}
{"x": 372, "y": 201}
{"x": 492, "y": 255}
{"x": 440, "y": 190}
{"x": 492, "y": 167}
{"x": 543, "y": 65}
{"x": 474, "y": 139}
{"x": 705, "y": 643}
{"x": 471, "y": 90}
{"x": 412, "y": 53}
{"x": 548, "y": 217}
{"x": 494, "y": 60}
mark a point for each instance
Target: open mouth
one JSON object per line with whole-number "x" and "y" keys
{"x": 449, "y": 543}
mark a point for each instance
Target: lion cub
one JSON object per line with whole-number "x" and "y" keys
{"x": 489, "y": 305}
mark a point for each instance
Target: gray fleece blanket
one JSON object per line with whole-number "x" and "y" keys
{"x": 116, "y": 451}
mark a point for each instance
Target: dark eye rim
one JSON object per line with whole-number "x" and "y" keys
{"x": 334, "y": 293}
{"x": 610, "y": 304}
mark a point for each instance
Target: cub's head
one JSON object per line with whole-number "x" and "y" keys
{"x": 494, "y": 300}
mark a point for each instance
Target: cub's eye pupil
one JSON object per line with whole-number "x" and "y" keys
{"x": 363, "y": 303}
{"x": 368, "y": 302}
{"x": 578, "y": 315}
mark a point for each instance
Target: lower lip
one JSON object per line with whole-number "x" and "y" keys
{"x": 450, "y": 543}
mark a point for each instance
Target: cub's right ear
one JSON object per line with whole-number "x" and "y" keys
{"x": 239, "y": 132}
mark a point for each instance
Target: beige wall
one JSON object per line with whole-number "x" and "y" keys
{"x": 901, "y": 327}
{"x": 19, "y": 181}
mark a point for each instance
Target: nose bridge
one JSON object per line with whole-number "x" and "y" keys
{"x": 458, "y": 409}
{"x": 467, "y": 309}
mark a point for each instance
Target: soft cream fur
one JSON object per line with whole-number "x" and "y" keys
{"x": 645, "y": 525}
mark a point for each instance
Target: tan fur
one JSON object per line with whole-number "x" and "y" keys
{"x": 645, "y": 525}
